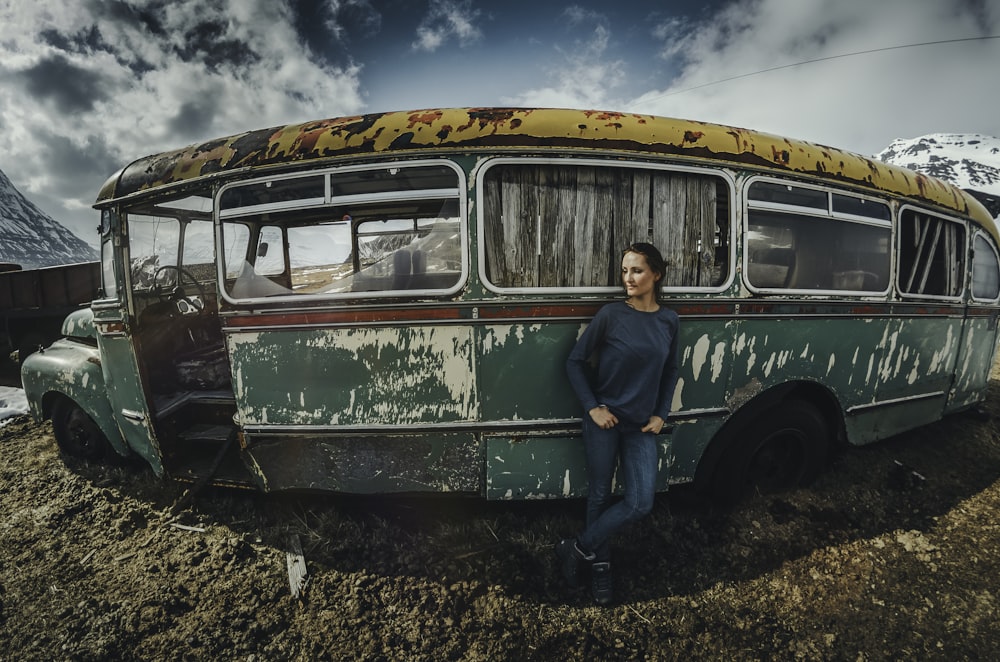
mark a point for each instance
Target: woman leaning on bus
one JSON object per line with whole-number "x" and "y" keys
{"x": 627, "y": 400}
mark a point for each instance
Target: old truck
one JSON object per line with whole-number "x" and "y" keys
{"x": 34, "y": 302}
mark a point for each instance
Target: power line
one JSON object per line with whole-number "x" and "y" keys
{"x": 820, "y": 59}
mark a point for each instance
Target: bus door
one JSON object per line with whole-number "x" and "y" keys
{"x": 977, "y": 346}
{"x": 114, "y": 327}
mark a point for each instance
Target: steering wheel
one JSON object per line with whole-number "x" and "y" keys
{"x": 178, "y": 291}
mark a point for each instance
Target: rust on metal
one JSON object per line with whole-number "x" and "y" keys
{"x": 524, "y": 128}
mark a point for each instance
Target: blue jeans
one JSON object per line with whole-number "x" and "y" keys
{"x": 637, "y": 453}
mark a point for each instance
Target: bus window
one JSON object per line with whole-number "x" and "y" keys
{"x": 588, "y": 213}
{"x": 931, "y": 255}
{"x": 809, "y": 253}
{"x": 801, "y": 238}
{"x": 354, "y": 232}
{"x": 985, "y": 270}
{"x": 235, "y": 249}
{"x": 153, "y": 243}
{"x": 199, "y": 250}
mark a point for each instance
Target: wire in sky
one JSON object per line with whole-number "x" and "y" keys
{"x": 819, "y": 59}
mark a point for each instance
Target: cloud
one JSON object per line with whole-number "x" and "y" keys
{"x": 583, "y": 75}
{"x": 859, "y": 102}
{"x": 68, "y": 87}
{"x": 446, "y": 19}
{"x": 101, "y": 83}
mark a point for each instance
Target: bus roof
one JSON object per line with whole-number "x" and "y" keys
{"x": 513, "y": 128}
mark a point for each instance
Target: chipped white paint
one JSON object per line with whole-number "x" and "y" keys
{"x": 769, "y": 364}
{"x": 393, "y": 375}
{"x": 938, "y": 362}
{"x": 678, "y": 402}
{"x": 752, "y": 359}
{"x": 700, "y": 354}
{"x": 718, "y": 359}
{"x": 911, "y": 378}
{"x": 805, "y": 352}
{"x": 741, "y": 343}
{"x": 829, "y": 366}
{"x": 567, "y": 489}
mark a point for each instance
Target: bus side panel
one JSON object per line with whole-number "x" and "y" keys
{"x": 523, "y": 378}
{"x": 842, "y": 353}
{"x": 543, "y": 467}
{"x": 975, "y": 360}
{"x": 321, "y": 408}
{"x": 522, "y": 371}
{"x": 366, "y": 463}
{"x": 914, "y": 375}
{"x": 374, "y": 377}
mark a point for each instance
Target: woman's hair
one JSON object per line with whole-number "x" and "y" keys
{"x": 653, "y": 259}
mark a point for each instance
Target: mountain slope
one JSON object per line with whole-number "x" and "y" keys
{"x": 32, "y": 238}
{"x": 968, "y": 160}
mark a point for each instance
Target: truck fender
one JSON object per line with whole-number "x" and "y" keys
{"x": 71, "y": 369}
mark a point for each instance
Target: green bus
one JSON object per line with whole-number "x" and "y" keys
{"x": 384, "y": 303}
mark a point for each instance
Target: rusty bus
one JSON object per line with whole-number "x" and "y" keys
{"x": 384, "y": 303}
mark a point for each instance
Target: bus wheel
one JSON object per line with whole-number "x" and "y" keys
{"x": 76, "y": 433}
{"x": 785, "y": 447}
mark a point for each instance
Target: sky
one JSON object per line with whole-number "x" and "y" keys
{"x": 87, "y": 86}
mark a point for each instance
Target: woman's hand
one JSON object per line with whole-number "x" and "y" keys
{"x": 603, "y": 417}
{"x": 655, "y": 425}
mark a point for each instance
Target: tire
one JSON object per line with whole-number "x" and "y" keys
{"x": 784, "y": 447}
{"x": 76, "y": 433}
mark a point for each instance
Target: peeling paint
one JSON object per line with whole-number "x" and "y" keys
{"x": 700, "y": 355}
{"x": 718, "y": 360}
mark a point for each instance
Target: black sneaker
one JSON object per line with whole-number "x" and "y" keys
{"x": 600, "y": 583}
{"x": 570, "y": 555}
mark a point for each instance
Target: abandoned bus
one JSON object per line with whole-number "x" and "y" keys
{"x": 385, "y": 303}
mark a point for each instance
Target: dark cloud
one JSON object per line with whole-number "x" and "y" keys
{"x": 77, "y": 167}
{"x": 145, "y": 18}
{"x": 207, "y": 43}
{"x": 193, "y": 117}
{"x": 88, "y": 40}
{"x": 72, "y": 89}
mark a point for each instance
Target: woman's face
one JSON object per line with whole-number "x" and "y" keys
{"x": 638, "y": 279}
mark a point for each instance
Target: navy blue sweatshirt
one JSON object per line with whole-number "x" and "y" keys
{"x": 636, "y": 362}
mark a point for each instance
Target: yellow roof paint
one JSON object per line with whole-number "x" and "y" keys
{"x": 473, "y": 129}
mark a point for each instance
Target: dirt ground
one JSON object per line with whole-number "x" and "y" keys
{"x": 893, "y": 553}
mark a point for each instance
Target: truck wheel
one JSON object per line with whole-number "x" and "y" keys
{"x": 76, "y": 433}
{"x": 784, "y": 447}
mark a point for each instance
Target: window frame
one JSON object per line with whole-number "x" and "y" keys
{"x": 819, "y": 213}
{"x": 458, "y": 193}
{"x": 996, "y": 254}
{"x": 482, "y": 168}
{"x": 963, "y": 250}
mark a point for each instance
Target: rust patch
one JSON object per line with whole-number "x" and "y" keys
{"x": 744, "y": 394}
{"x": 427, "y": 118}
{"x": 693, "y": 136}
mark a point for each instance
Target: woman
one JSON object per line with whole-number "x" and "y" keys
{"x": 627, "y": 400}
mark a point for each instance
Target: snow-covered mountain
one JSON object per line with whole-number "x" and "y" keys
{"x": 968, "y": 160}
{"x": 32, "y": 238}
